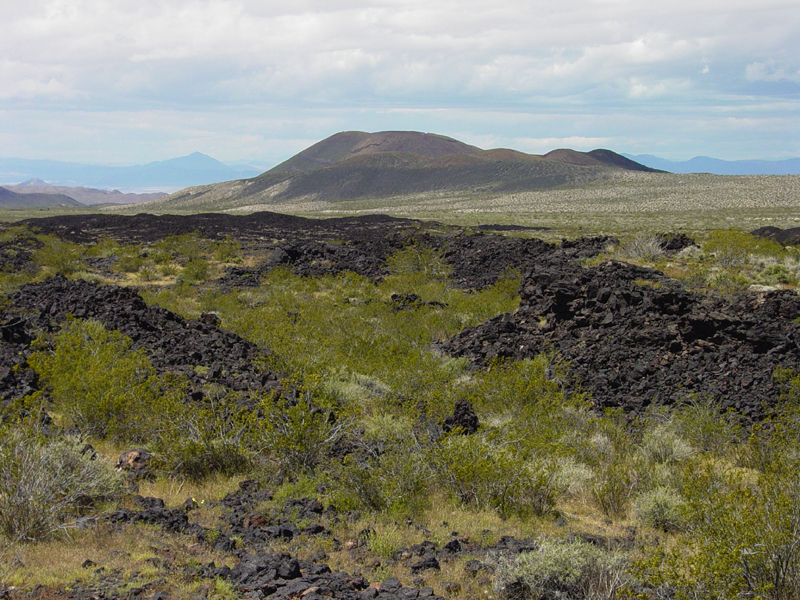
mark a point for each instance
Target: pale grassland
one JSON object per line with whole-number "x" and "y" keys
{"x": 627, "y": 202}
{"x": 631, "y": 201}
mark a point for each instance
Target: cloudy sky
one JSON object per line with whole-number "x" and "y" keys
{"x": 119, "y": 82}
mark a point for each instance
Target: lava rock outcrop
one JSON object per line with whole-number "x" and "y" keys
{"x": 173, "y": 344}
{"x": 633, "y": 337}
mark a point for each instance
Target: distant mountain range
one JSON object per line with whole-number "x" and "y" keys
{"x": 83, "y": 195}
{"x": 165, "y": 175}
{"x": 355, "y": 164}
{"x": 9, "y": 199}
{"x": 705, "y": 164}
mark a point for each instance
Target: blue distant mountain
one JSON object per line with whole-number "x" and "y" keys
{"x": 173, "y": 174}
{"x": 705, "y": 164}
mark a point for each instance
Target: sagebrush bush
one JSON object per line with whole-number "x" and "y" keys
{"x": 644, "y": 246}
{"x": 45, "y": 484}
{"x": 572, "y": 570}
{"x": 660, "y": 508}
{"x": 662, "y": 444}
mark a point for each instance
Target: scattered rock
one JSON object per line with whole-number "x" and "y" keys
{"x": 464, "y": 418}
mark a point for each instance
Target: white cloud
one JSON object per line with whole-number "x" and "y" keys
{"x": 518, "y": 58}
{"x": 768, "y": 71}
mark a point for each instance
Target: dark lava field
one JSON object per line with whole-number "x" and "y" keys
{"x": 631, "y": 336}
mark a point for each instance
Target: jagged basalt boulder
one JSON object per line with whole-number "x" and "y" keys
{"x": 464, "y": 418}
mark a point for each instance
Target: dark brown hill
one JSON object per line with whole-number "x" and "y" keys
{"x": 355, "y": 165}
{"x": 348, "y": 144}
{"x": 11, "y": 199}
{"x": 596, "y": 158}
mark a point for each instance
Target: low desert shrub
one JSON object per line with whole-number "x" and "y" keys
{"x": 45, "y": 484}
{"x": 294, "y": 434}
{"x": 776, "y": 274}
{"x": 204, "y": 439}
{"x": 130, "y": 263}
{"x": 186, "y": 246}
{"x": 195, "y": 271}
{"x": 660, "y": 508}
{"x": 572, "y": 570}
{"x": 643, "y": 246}
{"x": 490, "y": 476}
{"x": 732, "y": 247}
{"x": 227, "y": 250}
{"x": 59, "y": 256}
{"x": 395, "y": 480}
{"x": 704, "y": 425}
{"x": 613, "y": 486}
{"x": 742, "y": 538}
{"x": 101, "y": 385}
{"x": 662, "y": 444}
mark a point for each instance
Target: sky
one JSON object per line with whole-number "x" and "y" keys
{"x": 255, "y": 81}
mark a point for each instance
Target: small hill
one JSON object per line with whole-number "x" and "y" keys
{"x": 354, "y": 165}
{"x": 84, "y": 195}
{"x": 9, "y": 199}
{"x": 348, "y": 144}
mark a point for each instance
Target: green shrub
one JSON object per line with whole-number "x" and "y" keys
{"x": 395, "y": 480}
{"x": 613, "y": 486}
{"x": 732, "y": 247}
{"x": 187, "y": 246}
{"x": 418, "y": 261}
{"x": 705, "y": 426}
{"x": 742, "y": 540}
{"x": 168, "y": 269}
{"x": 494, "y": 477}
{"x": 105, "y": 247}
{"x": 102, "y": 386}
{"x": 205, "y": 438}
{"x": 45, "y": 484}
{"x": 59, "y": 256}
{"x": 147, "y": 274}
{"x": 777, "y": 274}
{"x": 129, "y": 264}
{"x": 294, "y": 434}
{"x": 521, "y": 386}
{"x": 567, "y": 570}
{"x": 227, "y": 250}
{"x": 195, "y": 271}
